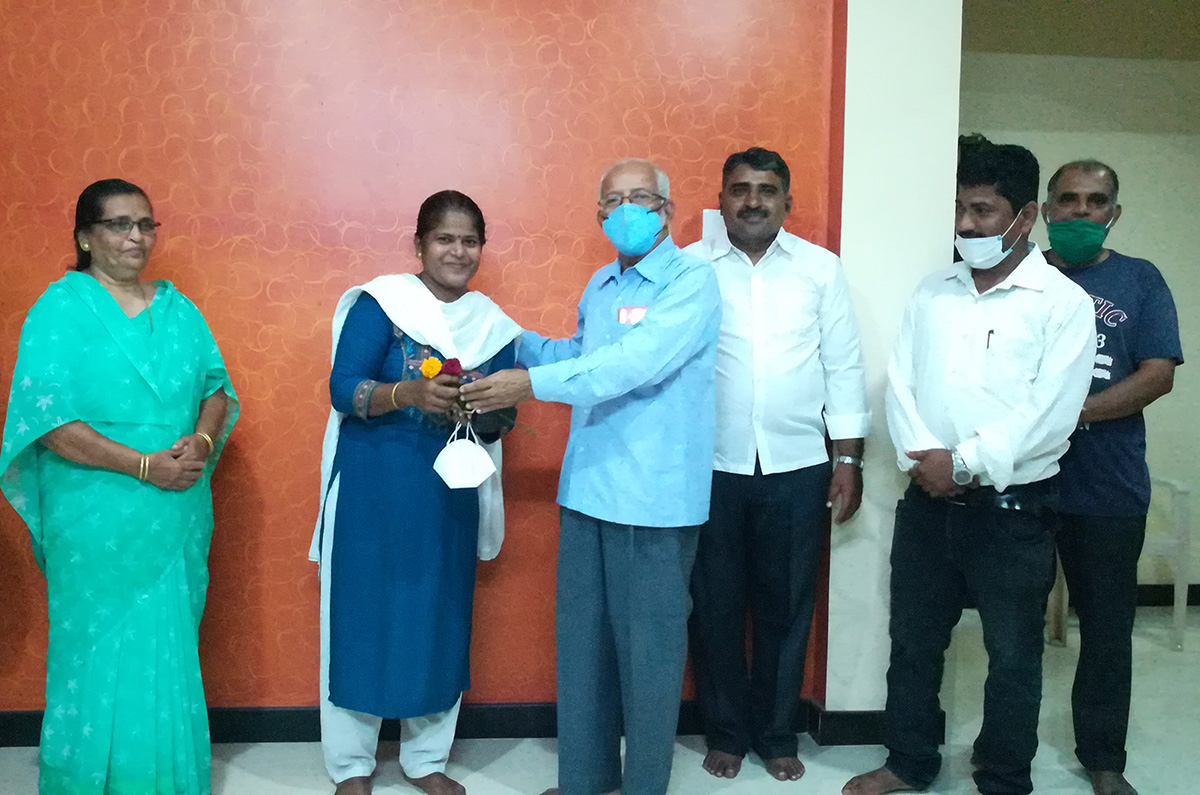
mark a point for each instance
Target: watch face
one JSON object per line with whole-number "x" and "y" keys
{"x": 962, "y": 477}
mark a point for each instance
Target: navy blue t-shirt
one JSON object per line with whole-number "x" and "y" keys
{"x": 1104, "y": 472}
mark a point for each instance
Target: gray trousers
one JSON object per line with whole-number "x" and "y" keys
{"x": 621, "y": 625}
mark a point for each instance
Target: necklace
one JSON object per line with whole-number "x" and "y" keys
{"x": 149, "y": 314}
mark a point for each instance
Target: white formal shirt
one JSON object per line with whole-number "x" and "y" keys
{"x": 999, "y": 377}
{"x": 788, "y": 360}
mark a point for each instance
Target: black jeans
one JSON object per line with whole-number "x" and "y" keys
{"x": 760, "y": 548}
{"x": 1003, "y": 558}
{"x": 1099, "y": 556}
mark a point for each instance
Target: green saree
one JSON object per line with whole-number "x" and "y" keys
{"x": 125, "y": 562}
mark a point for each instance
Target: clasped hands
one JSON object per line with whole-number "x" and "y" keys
{"x": 934, "y": 472}
{"x": 179, "y": 466}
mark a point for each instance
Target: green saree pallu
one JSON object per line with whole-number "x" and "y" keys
{"x": 126, "y": 563}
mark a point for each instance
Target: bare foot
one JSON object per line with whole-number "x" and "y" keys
{"x": 877, "y": 782}
{"x": 1110, "y": 782}
{"x": 359, "y": 785}
{"x": 437, "y": 784}
{"x": 722, "y": 764}
{"x": 785, "y": 768}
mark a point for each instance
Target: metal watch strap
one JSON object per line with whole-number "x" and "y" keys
{"x": 960, "y": 465}
{"x": 853, "y": 460}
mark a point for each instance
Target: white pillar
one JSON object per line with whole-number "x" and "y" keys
{"x": 902, "y": 92}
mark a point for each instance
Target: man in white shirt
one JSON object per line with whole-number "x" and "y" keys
{"x": 989, "y": 373}
{"x": 789, "y": 369}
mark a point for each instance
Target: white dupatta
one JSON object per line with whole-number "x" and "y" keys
{"x": 471, "y": 329}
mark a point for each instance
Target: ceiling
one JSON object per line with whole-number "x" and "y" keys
{"x": 1146, "y": 29}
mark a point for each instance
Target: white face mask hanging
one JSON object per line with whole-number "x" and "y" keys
{"x": 463, "y": 462}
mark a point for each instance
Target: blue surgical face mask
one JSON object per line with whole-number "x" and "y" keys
{"x": 984, "y": 253}
{"x": 632, "y": 229}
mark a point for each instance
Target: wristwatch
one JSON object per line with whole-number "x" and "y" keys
{"x": 853, "y": 460}
{"x": 962, "y": 476}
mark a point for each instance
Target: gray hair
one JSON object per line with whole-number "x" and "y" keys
{"x": 662, "y": 183}
{"x": 1089, "y": 166}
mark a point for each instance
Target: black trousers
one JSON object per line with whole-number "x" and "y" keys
{"x": 942, "y": 554}
{"x": 759, "y": 549}
{"x": 1099, "y": 556}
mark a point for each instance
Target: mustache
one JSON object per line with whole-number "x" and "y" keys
{"x": 749, "y": 212}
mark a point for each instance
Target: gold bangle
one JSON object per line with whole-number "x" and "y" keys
{"x": 208, "y": 439}
{"x": 395, "y": 405}
{"x": 144, "y": 468}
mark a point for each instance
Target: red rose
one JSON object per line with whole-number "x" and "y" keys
{"x": 452, "y": 367}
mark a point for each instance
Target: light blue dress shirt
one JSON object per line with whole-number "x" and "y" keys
{"x": 640, "y": 377}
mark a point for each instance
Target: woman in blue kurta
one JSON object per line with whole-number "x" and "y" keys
{"x": 398, "y": 547}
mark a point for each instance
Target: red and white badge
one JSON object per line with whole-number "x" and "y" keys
{"x": 630, "y": 315}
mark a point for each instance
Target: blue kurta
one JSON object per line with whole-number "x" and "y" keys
{"x": 404, "y": 547}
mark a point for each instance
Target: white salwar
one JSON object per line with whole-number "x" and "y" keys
{"x": 349, "y": 739}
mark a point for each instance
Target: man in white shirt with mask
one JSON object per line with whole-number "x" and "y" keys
{"x": 789, "y": 370}
{"x": 987, "y": 378}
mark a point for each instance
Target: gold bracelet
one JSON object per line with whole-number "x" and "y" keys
{"x": 395, "y": 405}
{"x": 206, "y": 438}
{"x": 144, "y": 468}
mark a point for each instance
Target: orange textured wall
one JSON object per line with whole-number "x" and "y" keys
{"x": 286, "y": 145}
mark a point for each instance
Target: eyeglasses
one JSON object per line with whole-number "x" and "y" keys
{"x": 640, "y": 197}
{"x": 123, "y": 225}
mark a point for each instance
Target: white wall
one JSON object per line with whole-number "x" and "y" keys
{"x": 1143, "y": 118}
{"x": 902, "y": 96}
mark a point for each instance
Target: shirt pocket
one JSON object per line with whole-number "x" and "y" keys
{"x": 793, "y": 309}
{"x": 1012, "y": 359}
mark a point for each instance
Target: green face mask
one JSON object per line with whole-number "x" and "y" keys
{"x": 1078, "y": 241}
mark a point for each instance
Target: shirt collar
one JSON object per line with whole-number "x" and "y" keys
{"x": 785, "y": 240}
{"x": 651, "y": 267}
{"x": 1030, "y": 274}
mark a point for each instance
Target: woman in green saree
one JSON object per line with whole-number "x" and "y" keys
{"x": 119, "y": 408}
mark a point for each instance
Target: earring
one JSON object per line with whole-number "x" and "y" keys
{"x": 84, "y": 246}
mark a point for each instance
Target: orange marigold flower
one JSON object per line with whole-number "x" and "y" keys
{"x": 431, "y": 367}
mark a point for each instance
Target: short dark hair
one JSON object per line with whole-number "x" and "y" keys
{"x": 1012, "y": 170}
{"x": 434, "y": 209}
{"x": 758, "y": 159}
{"x": 89, "y": 208}
{"x": 971, "y": 141}
{"x": 1089, "y": 166}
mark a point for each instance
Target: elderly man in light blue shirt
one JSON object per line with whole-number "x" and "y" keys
{"x": 640, "y": 375}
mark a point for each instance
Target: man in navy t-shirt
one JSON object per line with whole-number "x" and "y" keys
{"x": 1104, "y": 483}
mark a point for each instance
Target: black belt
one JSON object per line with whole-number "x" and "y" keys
{"x": 1039, "y": 497}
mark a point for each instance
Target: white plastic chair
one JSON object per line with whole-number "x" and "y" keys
{"x": 1175, "y": 546}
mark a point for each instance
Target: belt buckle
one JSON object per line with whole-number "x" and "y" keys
{"x": 1009, "y": 502}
